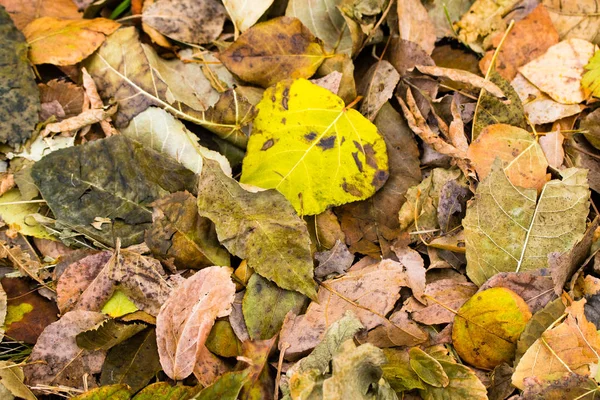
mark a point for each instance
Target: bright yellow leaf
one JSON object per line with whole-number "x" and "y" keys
{"x": 118, "y": 305}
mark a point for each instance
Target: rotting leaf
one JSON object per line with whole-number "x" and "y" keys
{"x": 185, "y": 319}
{"x": 271, "y": 51}
{"x": 178, "y": 232}
{"x": 66, "y": 42}
{"x": 114, "y": 178}
{"x": 256, "y": 226}
{"x": 511, "y": 229}
{"x": 303, "y": 132}
{"x": 377, "y": 87}
{"x": 18, "y": 91}
{"x": 566, "y": 386}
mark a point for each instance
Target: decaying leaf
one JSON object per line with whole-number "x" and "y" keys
{"x": 107, "y": 334}
{"x": 377, "y": 87}
{"x": 567, "y": 386}
{"x": 535, "y": 287}
{"x": 271, "y": 51}
{"x": 62, "y": 361}
{"x": 66, "y": 42}
{"x": 293, "y": 144}
{"x": 114, "y": 178}
{"x": 511, "y": 229}
{"x": 178, "y": 232}
{"x": 521, "y": 155}
{"x": 414, "y": 24}
{"x": 334, "y": 261}
{"x": 256, "y": 226}
{"x": 18, "y": 91}
{"x": 244, "y": 14}
{"x": 185, "y": 319}
{"x": 187, "y": 21}
{"x": 487, "y": 327}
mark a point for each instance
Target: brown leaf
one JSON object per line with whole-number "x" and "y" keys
{"x": 377, "y": 87}
{"x": 23, "y": 12}
{"x": 64, "y": 97}
{"x": 462, "y": 76}
{"x": 59, "y": 360}
{"x": 536, "y": 290}
{"x": 414, "y": 24}
{"x": 552, "y": 145}
{"x": 185, "y": 319}
{"x": 334, "y": 261}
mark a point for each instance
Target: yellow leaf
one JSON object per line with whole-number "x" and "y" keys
{"x": 487, "y": 327}
{"x": 118, "y": 305}
{"x": 66, "y": 42}
{"x": 303, "y": 134}
{"x": 15, "y": 212}
{"x": 591, "y": 79}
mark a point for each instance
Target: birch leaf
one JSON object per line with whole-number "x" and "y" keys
{"x": 185, "y": 319}
{"x": 303, "y": 132}
{"x": 510, "y": 229}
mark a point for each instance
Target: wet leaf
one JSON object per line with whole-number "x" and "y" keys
{"x": 178, "y": 232}
{"x": 487, "y": 327}
{"x": 265, "y": 306}
{"x": 244, "y": 14}
{"x": 134, "y": 362}
{"x": 63, "y": 362}
{"x": 255, "y": 226}
{"x": 105, "y": 180}
{"x": 271, "y": 51}
{"x": 66, "y": 42}
{"x": 11, "y": 378}
{"x": 112, "y": 392}
{"x": 185, "y": 319}
{"x": 510, "y": 229}
{"x": 293, "y": 144}
{"x": 187, "y": 21}
{"x": 522, "y": 157}
{"x": 18, "y": 91}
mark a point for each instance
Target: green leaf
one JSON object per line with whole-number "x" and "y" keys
{"x": 159, "y": 130}
{"x": 118, "y": 305}
{"x": 15, "y": 215}
{"x": 591, "y": 79}
{"x": 179, "y": 233}
{"x": 107, "y": 334}
{"x": 133, "y": 362}
{"x": 227, "y": 387}
{"x": 487, "y": 327}
{"x": 464, "y": 384}
{"x": 19, "y": 96}
{"x": 261, "y": 227}
{"x": 302, "y": 133}
{"x": 222, "y": 340}
{"x": 112, "y": 392}
{"x": 398, "y": 372}
{"x": 265, "y": 306}
{"x": 510, "y": 229}
{"x": 428, "y": 368}
{"x": 164, "y": 391}
{"x": 114, "y": 178}
{"x": 272, "y": 51}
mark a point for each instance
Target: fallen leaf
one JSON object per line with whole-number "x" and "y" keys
{"x": 66, "y": 42}
{"x": 583, "y": 155}
{"x": 107, "y": 334}
{"x": 178, "y": 232}
{"x": 521, "y": 155}
{"x": 462, "y": 76}
{"x": 337, "y": 260}
{"x": 16, "y": 214}
{"x": 331, "y": 81}
{"x": 464, "y": 384}
{"x": 227, "y": 387}
{"x": 591, "y": 78}
{"x": 414, "y": 24}
{"x": 23, "y": 12}
{"x": 62, "y": 362}
{"x": 222, "y": 340}
{"x": 589, "y": 125}
{"x": 377, "y": 87}
{"x": 271, "y": 51}
{"x": 256, "y": 227}
{"x": 118, "y": 305}
{"x": 567, "y": 386}
{"x": 533, "y": 287}
{"x": 114, "y": 177}
{"x": 369, "y": 292}
{"x": 558, "y": 72}
{"x": 244, "y": 14}
{"x": 487, "y": 327}
{"x": 64, "y": 97}
{"x": 185, "y": 319}
{"x": 11, "y": 378}
{"x": 343, "y": 64}
{"x": 578, "y": 19}
{"x": 113, "y": 392}
{"x": 18, "y": 91}
{"x": 428, "y": 368}
{"x": 293, "y": 144}
{"x": 443, "y": 13}
{"x": 196, "y": 22}
{"x": 571, "y": 346}
{"x": 501, "y": 387}
{"x": 511, "y": 229}
{"x": 398, "y": 372}
{"x": 529, "y": 38}
{"x": 134, "y": 362}
{"x": 164, "y": 391}
{"x": 265, "y": 306}
{"x": 89, "y": 283}
{"x": 552, "y": 145}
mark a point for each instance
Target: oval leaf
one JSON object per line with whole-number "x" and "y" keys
{"x": 428, "y": 368}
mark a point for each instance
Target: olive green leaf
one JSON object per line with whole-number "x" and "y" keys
{"x": 107, "y": 334}
{"x": 265, "y": 306}
{"x": 222, "y": 340}
{"x": 133, "y": 362}
{"x": 302, "y": 133}
{"x": 178, "y": 232}
{"x": 398, "y": 372}
{"x": 274, "y": 50}
{"x": 124, "y": 72}
{"x": 428, "y": 368}
{"x": 112, "y": 392}
{"x": 114, "y": 178}
{"x": 510, "y": 229}
{"x": 261, "y": 227}
{"x": 464, "y": 384}
{"x": 164, "y": 391}
{"x": 19, "y": 96}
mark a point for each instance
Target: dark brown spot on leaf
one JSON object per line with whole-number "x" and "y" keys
{"x": 357, "y": 161}
{"x": 327, "y": 143}
{"x": 310, "y": 136}
{"x": 267, "y": 145}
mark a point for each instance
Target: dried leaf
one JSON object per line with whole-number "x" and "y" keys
{"x": 185, "y": 319}
{"x": 187, "y": 21}
{"x": 590, "y": 126}
{"x": 244, "y": 14}
{"x": 66, "y": 42}
{"x": 575, "y": 19}
{"x": 487, "y": 327}
{"x": 568, "y": 386}
{"x": 443, "y": 12}
{"x": 510, "y": 229}
{"x": 465, "y": 77}
{"x": 107, "y": 334}
{"x": 256, "y": 226}
{"x": 23, "y": 12}
{"x": 552, "y": 145}
{"x": 334, "y": 261}
{"x": 377, "y": 87}
{"x": 11, "y": 378}
{"x": 591, "y": 78}
{"x": 414, "y": 24}
{"x": 272, "y": 51}
{"x": 293, "y": 144}
{"x": 65, "y": 96}
{"x": 113, "y": 392}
